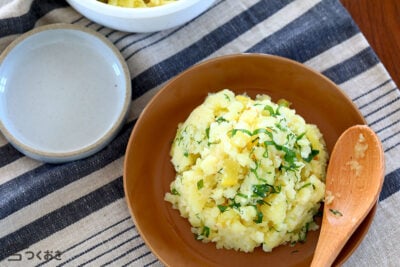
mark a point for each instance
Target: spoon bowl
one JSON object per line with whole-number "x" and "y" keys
{"x": 353, "y": 183}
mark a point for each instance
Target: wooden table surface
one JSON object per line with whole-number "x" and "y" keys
{"x": 379, "y": 21}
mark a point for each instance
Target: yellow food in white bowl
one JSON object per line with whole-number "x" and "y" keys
{"x": 137, "y": 3}
{"x": 249, "y": 172}
{"x": 120, "y": 15}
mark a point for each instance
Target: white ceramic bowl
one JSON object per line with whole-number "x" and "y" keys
{"x": 64, "y": 92}
{"x": 141, "y": 19}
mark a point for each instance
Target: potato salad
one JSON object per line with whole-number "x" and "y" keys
{"x": 249, "y": 172}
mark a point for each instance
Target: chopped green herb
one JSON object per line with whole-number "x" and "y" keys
{"x": 336, "y": 212}
{"x": 259, "y": 217}
{"x": 305, "y": 185}
{"x": 208, "y": 133}
{"x": 241, "y": 195}
{"x": 277, "y": 112}
{"x": 270, "y": 110}
{"x": 290, "y": 136}
{"x": 303, "y": 233}
{"x": 198, "y": 216}
{"x": 265, "y": 154}
{"x": 227, "y": 97}
{"x": 254, "y": 171}
{"x": 272, "y": 143}
{"x": 175, "y": 192}
{"x": 186, "y": 154}
{"x": 221, "y": 119}
{"x": 290, "y": 155}
{"x": 300, "y": 136}
{"x": 273, "y": 228}
{"x": 208, "y": 137}
{"x": 312, "y": 155}
{"x": 266, "y": 144}
{"x": 234, "y": 204}
{"x": 234, "y": 131}
{"x": 222, "y": 208}
{"x": 262, "y": 202}
{"x": 293, "y": 167}
{"x": 206, "y": 231}
{"x": 262, "y": 190}
{"x": 261, "y": 130}
{"x": 281, "y": 127}
{"x": 200, "y": 184}
{"x": 179, "y": 139}
{"x": 256, "y": 131}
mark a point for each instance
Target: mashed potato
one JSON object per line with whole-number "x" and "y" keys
{"x": 249, "y": 172}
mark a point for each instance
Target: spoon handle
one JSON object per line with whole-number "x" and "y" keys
{"x": 330, "y": 244}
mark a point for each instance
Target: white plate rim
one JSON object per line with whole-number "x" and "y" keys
{"x": 60, "y": 157}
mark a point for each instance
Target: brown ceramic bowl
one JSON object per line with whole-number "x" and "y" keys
{"x": 148, "y": 171}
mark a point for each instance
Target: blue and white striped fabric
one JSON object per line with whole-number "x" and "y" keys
{"x": 78, "y": 209}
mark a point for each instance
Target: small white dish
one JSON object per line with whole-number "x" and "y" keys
{"x": 65, "y": 91}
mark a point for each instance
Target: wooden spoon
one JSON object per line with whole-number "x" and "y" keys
{"x": 353, "y": 183}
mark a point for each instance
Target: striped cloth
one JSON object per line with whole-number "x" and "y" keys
{"x": 75, "y": 213}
